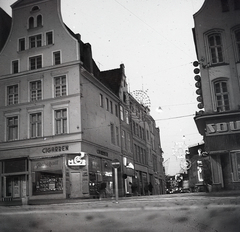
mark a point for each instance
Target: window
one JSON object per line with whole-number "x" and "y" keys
{"x": 21, "y": 44}
{"x": 39, "y": 20}
{"x": 60, "y": 121}
{"x": 60, "y": 86}
{"x": 236, "y": 4}
{"x": 12, "y": 128}
{"x": 15, "y": 67}
{"x": 35, "y": 8}
{"x": 236, "y": 166}
{"x": 31, "y": 23}
{"x": 35, "y": 125}
{"x": 35, "y": 41}
{"x": 49, "y": 38}
{"x": 116, "y": 110}
{"x": 225, "y": 5}
{"x": 121, "y": 113}
{"x": 126, "y": 117}
{"x": 56, "y": 58}
{"x": 111, "y": 107}
{"x": 35, "y": 62}
{"x": 124, "y": 141}
{"x": 107, "y": 104}
{"x": 215, "y": 48}
{"x": 12, "y": 94}
{"x": 101, "y": 99}
{"x": 35, "y": 90}
{"x": 237, "y": 38}
{"x": 112, "y": 133}
{"x": 221, "y": 95}
{"x": 128, "y": 142}
{"x": 117, "y": 135}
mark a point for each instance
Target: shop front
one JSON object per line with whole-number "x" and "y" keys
{"x": 14, "y": 178}
{"x": 221, "y": 137}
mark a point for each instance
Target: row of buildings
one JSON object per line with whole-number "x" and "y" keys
{"x": 64, "y": 121}
{"x": 217, "y": 40}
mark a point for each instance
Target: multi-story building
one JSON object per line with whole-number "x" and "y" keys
{"x": 217, "y": 40}
{"x": 63, "y": 120}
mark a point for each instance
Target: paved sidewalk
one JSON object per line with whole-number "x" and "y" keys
{"x": 235, "y": 193}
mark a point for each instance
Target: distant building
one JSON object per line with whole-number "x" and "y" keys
{"x": 63, "y": 120}
{"x": 217, "y": 40}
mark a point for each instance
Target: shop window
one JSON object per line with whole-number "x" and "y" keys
{"x": 60, "y": 86}
{"x": 47, "y": 177}
{"x": 35, "y": 90}
{"x": 12, "y": 94}
{"x": 221, "y": 96}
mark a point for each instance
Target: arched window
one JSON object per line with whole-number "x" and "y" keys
{"x": 35, "y": 8}
{"x": 215, "y": 48}
{"x": 221, "y": 96}
{"x": 31, "y": 23}
{"x": 39, "y": 20}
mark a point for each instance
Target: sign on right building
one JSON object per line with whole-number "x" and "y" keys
{"x": 216, "y": 35}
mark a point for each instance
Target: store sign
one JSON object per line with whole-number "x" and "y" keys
{"x": 55, "y": 149}
{"x": 47, "y": 164}
{"x": 102, "y": 153}
{"x": 222, "y": 127}
{"x": 78, "y": 160}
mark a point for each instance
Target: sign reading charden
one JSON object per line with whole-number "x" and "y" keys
{"x": 223, "y": 127}
{"x": 77, "y": 160}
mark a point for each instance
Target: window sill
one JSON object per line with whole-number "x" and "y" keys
{"x": 218, "y": 64}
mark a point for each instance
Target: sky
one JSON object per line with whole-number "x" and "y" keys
{"x": 153, "y": 39}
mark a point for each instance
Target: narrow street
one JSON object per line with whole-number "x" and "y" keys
{"x": 175, "y": 212}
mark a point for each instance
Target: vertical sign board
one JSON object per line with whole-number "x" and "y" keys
{"x": 116, "y": 165}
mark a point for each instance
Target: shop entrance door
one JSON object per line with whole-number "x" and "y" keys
{"x": 76, "y": 184}
{"x": 13, "y": 186}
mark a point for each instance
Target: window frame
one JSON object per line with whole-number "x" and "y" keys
{"x": 219, "y": 97}
{"x": 61, "y": 86}
{"x": 38, "y": 125}
{"x": 38, "y": 91}
{"x": 235, "y": 157}
{"x": 57, "y": 60}
{"x": 15, "y": 127}
{"x": 15, "y": 95}
{"x": 209, "y": 54}
{"x": 15, "y": 62}
{"x": 49, "y": 38}
{"x": 35, "y": 41}
{"x": 35, "y": 59}
{"x": 21, "y": 44}
{"x": 63, "y": 121}
{"x": 39, "y": 20}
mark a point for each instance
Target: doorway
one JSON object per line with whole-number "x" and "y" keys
{"x": 14, "y": 186}
{"x": 76, "y": 184}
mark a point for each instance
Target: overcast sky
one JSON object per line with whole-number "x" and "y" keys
{"x": 153, "y": 39}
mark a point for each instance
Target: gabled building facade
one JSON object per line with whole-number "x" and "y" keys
{"x": 63, "y": 120}
{"x": 217, "y": 41}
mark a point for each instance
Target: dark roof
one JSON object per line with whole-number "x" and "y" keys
{"x": 5, "y": 27}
